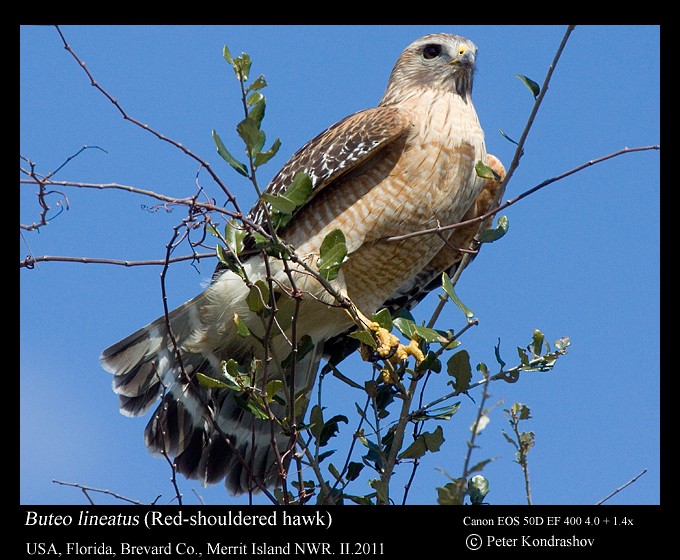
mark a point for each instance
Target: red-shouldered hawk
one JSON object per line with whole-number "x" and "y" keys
{"x": 403, "y": 166}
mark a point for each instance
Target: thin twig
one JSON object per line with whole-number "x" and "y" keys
{"x": 631, "y": 481}
{"x": 439, "y": 229}
{"x": 146, "y": 127}
{"x": 86, "y": 489}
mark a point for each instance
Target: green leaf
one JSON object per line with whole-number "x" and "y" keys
{"x": 300, "y": 189}
{"x": 235, "y": 236}
{"x": 334, "y": 472}
{"x": 252, "y": 406}
{"x": 479, "y": 466}
{"x": 211, "y": 383}
{"x": 331, "y": 428}
{"x": 428, "y": 441}
{"x": 279, "y": 202}
{"x": 316, "y": 421}
{"x": 241, "y": 328}
{"x": 226, "y": 156}
{"x": 256, "y": 113}
{"x": 452, "y": 493}
{"x": 353, "y": 470}
{"x": 429, "y": 335}
{"x": 227, "y": 55}
{"x": 537, "y": 342}
{"x": 273, "y": 387}
{"x": 381, "y": 488}
{"x": 365, "y": 337}
{"x": 332, "y": 254}
{"x": 242, "y": 66}
{"x": 258, "y": 83}
{"x": 304, "y": 346}
{"x": 459, "y": 368}
{"x": 507, "y": 137}
{"x": 253, "y": 98}
{"x": 258, "y": 296}
{"x": 407, "y": 327}
{"x": 448, "y": 288}
{"x": 534, "y": 88}
{"x": 494, "y": 234}
{"x": 485, "y": 172}
{"x": 383, "y": 318}
{"x": 249, "y": 131}
{"x": 263, "y": 157}
{"x": 523, "y": 356}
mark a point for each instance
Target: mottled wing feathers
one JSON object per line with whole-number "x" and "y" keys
{"x": 345, "y": 145}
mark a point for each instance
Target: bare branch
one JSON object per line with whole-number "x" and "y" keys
{"x": 146, "y": 127}
{"x": 86, "y": 489}
{"x": 631, "y": 481}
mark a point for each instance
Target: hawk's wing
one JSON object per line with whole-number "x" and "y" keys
{"x": 340, "y": 148}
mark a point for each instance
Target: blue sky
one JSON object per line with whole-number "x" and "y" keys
{"x": 581, "y": 258}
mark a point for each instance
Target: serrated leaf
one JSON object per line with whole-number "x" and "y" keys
{"x": 263, "y": 157}
{"x": 383, "y": 318}
{"x": 534, "y": 88}
{"x": 494, "y": 234}
{"x": 485, "y": 172}
{"x": 226, "y": 156}
{"x": 507, "y": 137}
{"x": 458, "y": 367}
{"x": 241, "y": 328}
{"x": 210, "y": 382}
{"x": 447, "y": 285}
{"x": 332, "y": 254}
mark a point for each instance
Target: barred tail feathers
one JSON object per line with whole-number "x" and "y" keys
{"x": 209, "y": 435}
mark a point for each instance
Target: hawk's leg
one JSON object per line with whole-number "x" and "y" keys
{"x": 388, "y": 346}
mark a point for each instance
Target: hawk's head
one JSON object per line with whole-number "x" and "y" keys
{"x": 437, "y": 61}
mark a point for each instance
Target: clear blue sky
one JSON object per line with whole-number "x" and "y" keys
{"x": 581, "y": 258}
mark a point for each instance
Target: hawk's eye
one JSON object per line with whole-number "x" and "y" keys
{"x": 432, "y": 51}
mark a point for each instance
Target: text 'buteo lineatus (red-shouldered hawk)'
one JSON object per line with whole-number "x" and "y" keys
{"x": 404, "y": 166}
